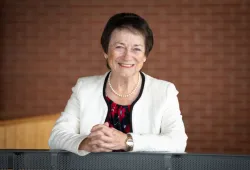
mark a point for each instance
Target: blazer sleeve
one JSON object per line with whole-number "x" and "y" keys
{"x": 172, "y": 137}
{"x": 65, "y": 134}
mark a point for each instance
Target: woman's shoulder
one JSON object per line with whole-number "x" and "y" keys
{"x": 91, "y": 79}
{"x": 90, "y": 82}
{"x": 156, "y": 82}
{"x": 159, "y": 84}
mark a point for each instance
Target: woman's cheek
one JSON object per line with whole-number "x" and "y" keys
{"x": 139, "y": 66}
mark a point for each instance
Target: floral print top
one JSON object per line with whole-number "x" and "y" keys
{"x": 118, "y": 116}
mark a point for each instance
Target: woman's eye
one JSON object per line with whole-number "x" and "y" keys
{"x": 137, "y": 49}
{"x": 118, "y": 47}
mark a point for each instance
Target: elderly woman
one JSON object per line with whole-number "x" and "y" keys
{"x": 124, "y": 109}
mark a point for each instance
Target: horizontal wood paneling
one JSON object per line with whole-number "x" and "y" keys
{"x": 27, "y": 133}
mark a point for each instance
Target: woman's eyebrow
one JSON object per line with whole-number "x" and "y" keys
{"x": 138, "y": 45}
{"x": 120, "y": 43}
{"x": 115, "y": 43}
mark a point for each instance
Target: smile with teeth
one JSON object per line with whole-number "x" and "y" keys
{"x": 126, "y": 65}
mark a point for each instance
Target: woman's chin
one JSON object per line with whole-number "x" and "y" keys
{"x": 127, "y": 73}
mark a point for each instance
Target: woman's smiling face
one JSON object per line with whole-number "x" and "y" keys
{"x": 126, "y": 52}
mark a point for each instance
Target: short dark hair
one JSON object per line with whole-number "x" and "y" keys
{"x": 129, "y": 21}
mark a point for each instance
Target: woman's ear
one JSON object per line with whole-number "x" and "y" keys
{"x": 105, "y": 56}
{"x": 144, "y": 60}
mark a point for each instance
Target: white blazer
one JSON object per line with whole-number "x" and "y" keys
{"x": 157, "y": 123}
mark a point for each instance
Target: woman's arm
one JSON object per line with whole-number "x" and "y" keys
{"x": 65, "y": 134}
{"x": 172, "y": 137}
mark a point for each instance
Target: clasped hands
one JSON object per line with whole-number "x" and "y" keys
{"x": 104, "y": 139}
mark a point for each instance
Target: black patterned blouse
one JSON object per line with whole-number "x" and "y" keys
{"x": 118, "y": 116}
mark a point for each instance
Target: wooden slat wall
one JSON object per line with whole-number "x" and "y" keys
{"x": 2, "y": 137}
{"x": 27, "y": 133}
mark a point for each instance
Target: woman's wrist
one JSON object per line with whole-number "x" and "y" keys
{"x": 129, "y": 143}
{"x": 82, "y": 144}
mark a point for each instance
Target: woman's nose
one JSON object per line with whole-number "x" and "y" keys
{"x": 128, "y": 54}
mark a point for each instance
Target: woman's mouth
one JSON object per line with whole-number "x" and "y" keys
{"x": 126, "y": 65}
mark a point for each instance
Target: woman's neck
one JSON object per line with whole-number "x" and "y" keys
{"x": 123, "y": 84}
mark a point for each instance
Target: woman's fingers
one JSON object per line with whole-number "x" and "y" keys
{"x": 101, "y": 137}
{"x": 96, "y": 148}
{"x": 97, "y": 129}
{"x": 105, "y": 139}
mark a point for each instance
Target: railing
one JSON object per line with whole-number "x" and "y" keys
{"x": 56, "y": 159}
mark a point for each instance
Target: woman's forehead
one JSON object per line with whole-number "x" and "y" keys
{"x": 124, "y": 36}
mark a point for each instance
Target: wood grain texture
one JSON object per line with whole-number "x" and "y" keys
{"x": 2, "y": 137}
{"x": 27, "y": 133}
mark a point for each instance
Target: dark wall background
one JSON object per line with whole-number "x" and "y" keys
{"x": 201, "y": 46}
